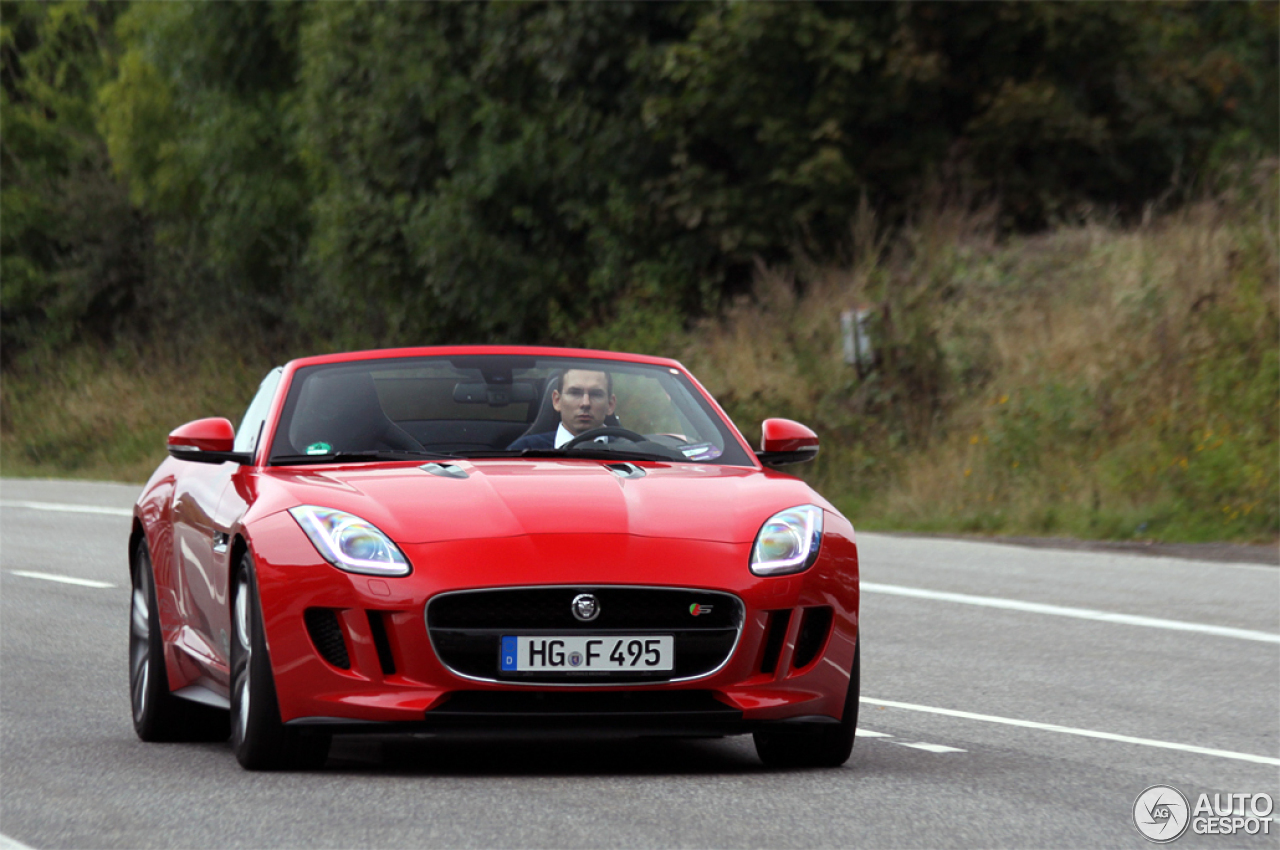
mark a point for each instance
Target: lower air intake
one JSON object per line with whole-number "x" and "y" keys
{"x": 326, "y": 634}
{"x": 378, "y": 628}
{"x": 815, "y": 625}
{"x": 777, "y": 633}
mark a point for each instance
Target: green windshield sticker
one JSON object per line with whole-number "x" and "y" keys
{"x": 319, "y": 449}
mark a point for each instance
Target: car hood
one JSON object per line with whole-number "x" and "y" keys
{"x": 509, "y": 498}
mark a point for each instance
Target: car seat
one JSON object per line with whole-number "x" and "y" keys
{"x": 342, "y": 411}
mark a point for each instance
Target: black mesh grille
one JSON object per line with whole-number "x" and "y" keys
{"x": 326, "y": 634}
{"x": 467, "y": 628}
{"x": 550, "y": 608}
{"x": 778, "y": 622}
{"x": 815, "y": 624}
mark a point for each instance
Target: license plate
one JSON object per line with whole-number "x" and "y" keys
{"x": 566, "y": 654}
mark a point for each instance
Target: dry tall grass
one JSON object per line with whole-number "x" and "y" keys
{"x": 1094, "y": 380}
{"x": 105, "y": 415}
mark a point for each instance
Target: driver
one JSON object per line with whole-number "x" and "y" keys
{"x": 583, "y": 400}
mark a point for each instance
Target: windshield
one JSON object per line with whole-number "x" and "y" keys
{"x": 499, "y": 406}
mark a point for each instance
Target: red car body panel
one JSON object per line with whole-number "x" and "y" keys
{"x": 512, "y": 522}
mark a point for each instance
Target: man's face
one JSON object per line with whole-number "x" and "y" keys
{"x": 583, "y": 400}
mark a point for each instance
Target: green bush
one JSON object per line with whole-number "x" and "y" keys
{"x": 370, "y": 174}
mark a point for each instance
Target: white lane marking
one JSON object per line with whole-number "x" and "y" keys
{"x": 1133, "y": 559}
{"x": 7, "y": 843}
{"x": 933, "y": 748}
{"x": 83, "y": 582}
{"x": 1078, "y": 613}
{"x": 1070, "y": 730}
{"x": 72, "y": 509}
{"x": 918, "y": 745}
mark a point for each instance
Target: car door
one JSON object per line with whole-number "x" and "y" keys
{"x": 209, "y": 500}
{"x": 196, "y": 533}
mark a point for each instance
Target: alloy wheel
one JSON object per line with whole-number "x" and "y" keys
{"x": 245, "y": 639}
{"x": 140, "y": 646}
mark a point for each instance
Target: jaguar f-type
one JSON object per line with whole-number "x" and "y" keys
{"x": 490, "y": 541}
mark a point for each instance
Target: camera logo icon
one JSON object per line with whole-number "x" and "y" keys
{"x": 1161, "y": 813}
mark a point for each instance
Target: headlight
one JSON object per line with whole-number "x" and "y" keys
{"x": 350, "y": 543}
{"x": 788, "y": 542}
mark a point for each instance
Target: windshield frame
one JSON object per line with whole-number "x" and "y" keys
{"x": 694, "y": 399}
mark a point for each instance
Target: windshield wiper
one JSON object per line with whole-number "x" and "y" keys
{"x": 621, "y": 454}
{"x": 348, "y": 457}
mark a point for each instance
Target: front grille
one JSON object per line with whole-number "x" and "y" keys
{"x": 466, "y": 628}
{"x": 549, "y": 608}
{"x": 326, "y": 634}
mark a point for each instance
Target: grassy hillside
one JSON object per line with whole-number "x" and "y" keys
{"x": 1093, "y": 381}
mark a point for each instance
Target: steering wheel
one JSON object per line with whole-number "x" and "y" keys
{"x": 606, "y": 431}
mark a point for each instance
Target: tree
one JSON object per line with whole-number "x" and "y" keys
{"x": 483, "y": 172}
{"x": 198, "y": 118}
{"x": 72, "y": 251}
{"x": 563, "y": 172}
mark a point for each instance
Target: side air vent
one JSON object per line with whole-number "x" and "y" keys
{"x": 378, "y": 628}
{"x": 815, "y": 625}
{"x": 326, "y": 634}
{"x": 776, "y": 633}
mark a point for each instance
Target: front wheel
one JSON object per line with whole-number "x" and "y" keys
{"x": 823, "y": 746}
{"x": 258, "y": 737}
{"x": 157, "y": 714}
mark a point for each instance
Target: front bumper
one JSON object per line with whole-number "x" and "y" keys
{"x": 356, "y": 654}
{"x": 678, "y": 713}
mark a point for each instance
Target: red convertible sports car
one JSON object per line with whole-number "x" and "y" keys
{"x": 480, "y": 540}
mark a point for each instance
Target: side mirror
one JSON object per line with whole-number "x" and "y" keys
{"x": 783, "y": 441}
{"x": 207, "y": 441}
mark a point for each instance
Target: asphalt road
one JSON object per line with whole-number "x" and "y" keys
{"x": 1004, "y": 706}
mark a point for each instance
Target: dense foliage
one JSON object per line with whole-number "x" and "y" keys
{"x": 364, "y": 174}
{"x": 1062, "y": 214}
{"x": 73, "y": 250}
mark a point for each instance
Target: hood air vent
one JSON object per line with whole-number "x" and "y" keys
{"x": 625, "y": 470}
{"x": 445, "y": 470}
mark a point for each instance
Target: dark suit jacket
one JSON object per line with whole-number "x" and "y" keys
{"x": 546, "y": 440}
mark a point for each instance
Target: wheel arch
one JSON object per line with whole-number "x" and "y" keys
{"x": 136, "y": 533}
{"x": 239, "y": 548}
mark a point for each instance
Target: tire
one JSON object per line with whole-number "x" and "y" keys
{"x": 258, "y": 737}
{"x": 157, "y": 714}
{"x": 821, "y": 746}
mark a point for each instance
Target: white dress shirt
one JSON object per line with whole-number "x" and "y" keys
{"x": 564, "y": 435}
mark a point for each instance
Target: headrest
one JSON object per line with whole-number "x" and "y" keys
{"x": 548, "y": 418}
{"x": 338, "y": 408}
